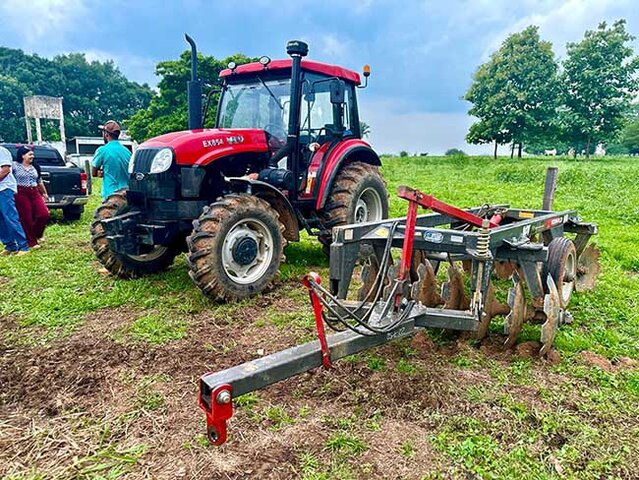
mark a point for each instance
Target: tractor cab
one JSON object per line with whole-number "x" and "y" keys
{"x": 299, "y": 105}
{"x": 258, "y": 95}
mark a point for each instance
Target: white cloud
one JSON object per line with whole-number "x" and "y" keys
{"x": 136, "y": 68}
{"x": 98, "y": 56}
{"x": 394, "y": 128}
{"x": 36, "y": 20}
{"x": 362, "y": 6}
{"x": 334, "y": 47}
{"x": 562, "y": 22}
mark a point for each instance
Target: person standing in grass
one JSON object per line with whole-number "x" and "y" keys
{"x": 112, "y": 159}
{"x": 31, "y": 196}
{"x": 11, "y": 232}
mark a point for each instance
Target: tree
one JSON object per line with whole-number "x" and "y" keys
{"x": 598, "y": 85}
{"x": 630, "y": 137}
{"x": 452, "y": 152}
{"x": 168, "y": 111}
{"x": 484, "y": 131}
{"x": 12, "y": 124}
{"x": 514, "y": 94}
{"x": 93, "y": 92}
{"x": 96, "y": 92}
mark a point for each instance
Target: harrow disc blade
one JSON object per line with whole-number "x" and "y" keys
{"x": 515, "y": 319}
{"x": 553, "y": 311}
{"x": 503, "y": 270}
{"x": 391, "y": 277}
{"x": 588, "y": 268}
{"x": 424, "y": 290}
{"x": 491, "y": 308}
{"x": 453, "y": 293}
{"x": 368, "y": 276}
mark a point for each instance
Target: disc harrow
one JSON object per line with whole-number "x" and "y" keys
{"x": 399, "y": 293}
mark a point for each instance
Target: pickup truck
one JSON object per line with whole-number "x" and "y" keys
{"x": 68, "y": 186}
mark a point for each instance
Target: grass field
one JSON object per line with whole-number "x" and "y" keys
{"x": 98, "y": 375}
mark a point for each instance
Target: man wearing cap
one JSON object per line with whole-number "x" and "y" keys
{"x": 113, "y": 159}
{"x": 11, "y": 232}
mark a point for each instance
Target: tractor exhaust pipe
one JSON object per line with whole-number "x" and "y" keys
{"x": 296, "y": 49}
{"x": 194, "y": 90}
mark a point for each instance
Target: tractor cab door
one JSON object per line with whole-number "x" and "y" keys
{"x": 322, "y": 119}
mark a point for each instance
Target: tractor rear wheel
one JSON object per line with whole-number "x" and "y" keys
{"x": 358, "y": 195}
{"x": 235, "y": 248}
{"x": 155, "y": 259}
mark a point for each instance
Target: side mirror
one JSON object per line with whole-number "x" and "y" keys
{"x": 338, "y": 90}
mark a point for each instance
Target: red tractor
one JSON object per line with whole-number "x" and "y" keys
{"x": 286, "y": 155}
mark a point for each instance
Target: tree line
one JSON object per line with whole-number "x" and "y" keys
{"x": 93, "y": 92}
{"x": 523, "y": 96}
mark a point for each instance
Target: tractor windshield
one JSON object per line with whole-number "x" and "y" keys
{"x": 262, "y": 104}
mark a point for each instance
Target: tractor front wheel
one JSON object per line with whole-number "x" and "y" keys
{"x": 235, "y": 248}
{"x": 358, "y": 195}
{"x": 153, "y": 259}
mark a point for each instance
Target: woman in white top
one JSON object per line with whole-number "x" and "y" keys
{"x": 30, "y": 198}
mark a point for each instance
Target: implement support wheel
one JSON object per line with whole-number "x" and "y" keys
{"x": 562, "y": 266}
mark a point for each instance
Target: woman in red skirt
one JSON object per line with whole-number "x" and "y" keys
{"x": 30, "y": 199}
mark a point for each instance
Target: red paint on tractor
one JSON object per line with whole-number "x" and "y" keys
{"x": 311, "y": 174}
{"x": 332, "y": 164}
{"x": 201, "y": 147}
{"x": 310, "y": 65}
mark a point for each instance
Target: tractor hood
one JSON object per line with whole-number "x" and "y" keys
{"x": 201, "y": 147}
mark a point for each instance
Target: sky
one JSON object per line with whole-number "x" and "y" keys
{"x": 422, "y": 53}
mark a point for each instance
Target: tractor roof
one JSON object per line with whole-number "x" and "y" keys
{"x": 309, "y": 65}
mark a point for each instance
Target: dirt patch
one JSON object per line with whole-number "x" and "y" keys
{"x": 553, "y": 357}
{"x": 595, "y": 360}
{"x": 422, "y": 344}
{"x": 67, "y": 405}
{"x": 528, "y": 349}
{"x": 626, "y": 363}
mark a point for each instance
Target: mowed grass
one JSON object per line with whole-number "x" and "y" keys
{"x": 575, "y": 420}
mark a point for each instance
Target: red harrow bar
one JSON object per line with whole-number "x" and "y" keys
{"x": 397, "y": 299}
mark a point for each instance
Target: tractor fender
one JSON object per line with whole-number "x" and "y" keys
{"x": 275, "y": 198}
{"x": 350, "y": 150}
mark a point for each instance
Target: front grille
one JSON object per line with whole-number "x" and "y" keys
{"x": 143, "y": 159}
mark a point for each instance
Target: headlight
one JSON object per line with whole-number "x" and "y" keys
{"x": 132, "y": 162}
{"x": 162, "y": 161}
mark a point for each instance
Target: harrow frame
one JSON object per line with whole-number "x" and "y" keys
{"x": 517, "y": 236}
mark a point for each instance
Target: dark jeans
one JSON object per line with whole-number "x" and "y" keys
{"x": 33, "y": 213}
{"x": 11, "y": 232}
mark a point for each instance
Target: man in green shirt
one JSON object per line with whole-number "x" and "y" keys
{"x": 113, "y": 159}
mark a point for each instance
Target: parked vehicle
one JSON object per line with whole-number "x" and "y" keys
{"x": 68, "y": 186}
{"x": 286, "y": 155}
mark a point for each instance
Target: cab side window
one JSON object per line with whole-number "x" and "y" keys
{"x": 317, "y": 109}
